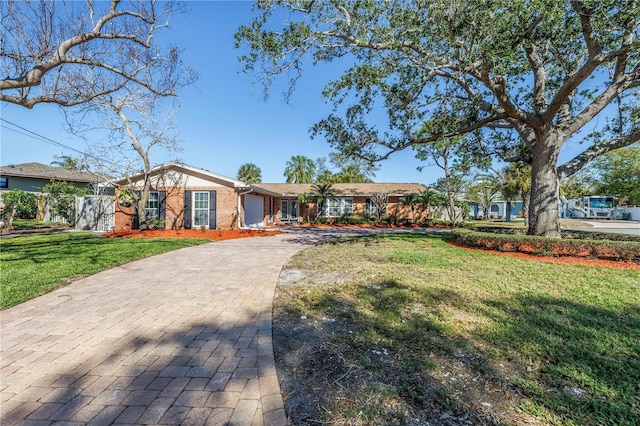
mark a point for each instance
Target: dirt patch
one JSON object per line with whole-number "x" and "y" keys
{"x": 569, "y": 260}
{"x": 213, "y": 235}
{"x": 326, "y": 382}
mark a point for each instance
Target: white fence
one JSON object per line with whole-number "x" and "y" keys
{"x": 632, "y": 212}
{"x": 95, "y": 213}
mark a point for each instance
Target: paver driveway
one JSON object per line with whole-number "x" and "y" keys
{"x": 179, "y": 338}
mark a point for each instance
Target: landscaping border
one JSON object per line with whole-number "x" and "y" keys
{"x": 600, "y": 249}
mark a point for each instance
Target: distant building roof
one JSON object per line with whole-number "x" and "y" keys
{"x": 345, "y": 189}
{"x": 42, "y": 171}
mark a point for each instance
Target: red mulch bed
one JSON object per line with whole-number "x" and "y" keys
{"x": 570, "y": 260}
{"x": 213, "y": 235}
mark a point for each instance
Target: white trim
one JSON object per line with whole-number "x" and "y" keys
{"x": 193, "y": 208}
{"x": 185, "y": 169}
{"x": 342, "y": 206}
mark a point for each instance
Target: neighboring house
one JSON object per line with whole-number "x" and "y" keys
{"x": 184, "y": 197}
{"x": 497, "y": 210}
{"x": 31, "y": 177}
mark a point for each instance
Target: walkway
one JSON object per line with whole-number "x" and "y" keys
{"x": 179, "y": 338}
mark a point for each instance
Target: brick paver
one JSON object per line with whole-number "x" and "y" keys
{"x": 179, "y": 338}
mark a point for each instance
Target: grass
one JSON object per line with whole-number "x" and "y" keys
{"x": 23, "y": 224}
{"x": 35, "y": 265}
{"x": 561, "y": 341}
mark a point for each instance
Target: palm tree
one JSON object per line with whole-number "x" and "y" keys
{"x": 351, "y": 173}
{"x": 67, "y": 162}
{"x": 323, "y": 192}
{"x": 303, "y": 201}
{"x": 517, "y": 181}
{"x": 484, "y": 191}
{"x": 300, "y": 169}
{"x": 431, "y": 197}
{"x": 249, "y": 173}
{"x": 510, "y": 187}
{"x": 412, "y": 200}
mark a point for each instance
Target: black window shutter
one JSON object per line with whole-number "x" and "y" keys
{"x": 162, "y": 205}
{"x": 136, "y": 218}
{"x": 187, "y": 209}
{"x": 212, "y": 209}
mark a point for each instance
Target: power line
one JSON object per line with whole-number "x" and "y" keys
{"x": 34, "y": 135}
{"x": 26, "y": 132}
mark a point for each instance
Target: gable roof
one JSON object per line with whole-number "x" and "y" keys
{"x": 345, "y": 189}
{"x": 43, "y": 171}
{"x": 189, "y": 170}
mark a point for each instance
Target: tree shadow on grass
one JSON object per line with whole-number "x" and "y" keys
{"x": 66, "y": 246}
{"x": 307, "y": 236}
{"x": 204, "y": 373}
{"x": 583, "y": 361}
{"x": 374, "y": 366}
{"x": 364, "y": 357}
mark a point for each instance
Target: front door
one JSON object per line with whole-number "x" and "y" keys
{"x": 288, "y": 210}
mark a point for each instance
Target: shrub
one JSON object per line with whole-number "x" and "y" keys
{"x": 62, "y": 199}
{"x": 353, "y": 219}
{"x": 27, "y": 203}
{"x": 574, "y": 235}
{"x": 156, "y": 224}
{"x": 604, "y": 249}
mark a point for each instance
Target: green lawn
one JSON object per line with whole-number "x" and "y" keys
{"x": 34, "y": 265}
{"x": 561, "y": 342}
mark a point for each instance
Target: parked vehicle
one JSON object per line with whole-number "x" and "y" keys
{"x": 591, "y": 207}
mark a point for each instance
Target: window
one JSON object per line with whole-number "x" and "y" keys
{"x": 336, "y": 207}
{"x": 152, "y": 209}
{"x": 371, "y": 209}
{"x": 333, "y": 207}
{"x": 201, "y": 209}
{"x": 347, "y": 206}
{"x": 4, "y": 182}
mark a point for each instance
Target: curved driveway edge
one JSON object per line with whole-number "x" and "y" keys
{"x": 179, "y": 338}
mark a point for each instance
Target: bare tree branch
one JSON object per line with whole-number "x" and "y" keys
{"x": 578, "y": 162}
{"x": 115, "y": 50}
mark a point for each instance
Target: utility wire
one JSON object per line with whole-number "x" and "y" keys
{"x": 41, "y": 138}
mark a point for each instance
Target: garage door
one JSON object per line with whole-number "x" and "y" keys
{"x": 253, "y": 210}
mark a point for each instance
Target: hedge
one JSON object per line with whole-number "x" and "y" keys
{"x": 573, "y": 234}
{"x": 601, "y": 249}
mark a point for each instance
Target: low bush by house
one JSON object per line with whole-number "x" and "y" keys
{"x": 518, "y": 242}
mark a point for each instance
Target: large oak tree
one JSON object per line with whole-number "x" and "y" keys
{"x": 545, "y": 72}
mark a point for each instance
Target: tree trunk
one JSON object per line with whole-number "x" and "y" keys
{"x": 543, "y": 215}
{"x": 508, "y": 211}
{"x": 526, "y": 198}
{"x": 142, "y": 203}
{"x": 452, "y": 209}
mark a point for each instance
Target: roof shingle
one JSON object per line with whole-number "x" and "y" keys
{"x": 345, "y": 189}
{"x": 42, "y": 171}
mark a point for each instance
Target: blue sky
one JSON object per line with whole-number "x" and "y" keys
{"x": 223, "y": 121}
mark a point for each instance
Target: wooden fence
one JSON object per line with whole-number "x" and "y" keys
{"x": 95, "y": 213}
